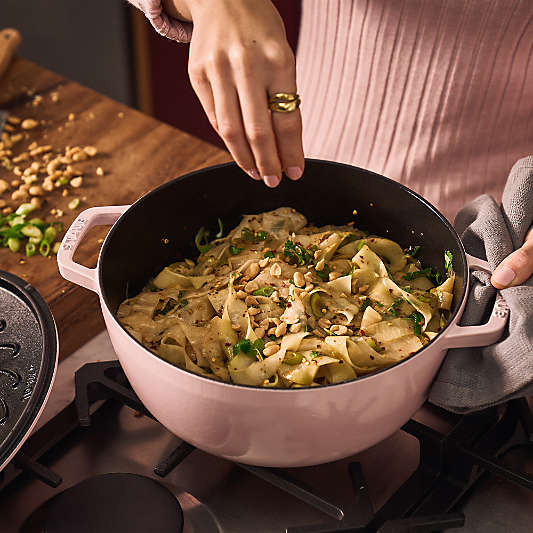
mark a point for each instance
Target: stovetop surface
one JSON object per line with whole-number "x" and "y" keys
{"x": 218, "y": 496}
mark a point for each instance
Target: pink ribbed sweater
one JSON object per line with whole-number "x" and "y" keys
{"x": 437, "y": 94}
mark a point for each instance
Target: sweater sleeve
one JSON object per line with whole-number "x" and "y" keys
{"x": 169, "y": 27}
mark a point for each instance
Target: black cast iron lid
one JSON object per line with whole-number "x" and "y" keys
{"x": 28, "y": 356}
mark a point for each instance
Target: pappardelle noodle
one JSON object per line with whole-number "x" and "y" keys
{"x": 280, "y": 303}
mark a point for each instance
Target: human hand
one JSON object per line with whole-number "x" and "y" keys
{"x": 239, "y": 55}
{"x": 517, "y": 267}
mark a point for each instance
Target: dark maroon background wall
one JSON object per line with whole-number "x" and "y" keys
{"x": 174, "y": 101}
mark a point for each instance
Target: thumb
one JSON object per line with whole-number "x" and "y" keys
{"x": 517, "y": 267}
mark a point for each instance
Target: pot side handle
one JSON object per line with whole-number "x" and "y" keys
{"x": 486, "y": 334}
{"x": 94, "y": 216}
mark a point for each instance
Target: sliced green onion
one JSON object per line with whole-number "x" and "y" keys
{"x": 62, "y": 181}
{"x": 201, "y": 240}
{"x": 32, "y": 231}
{"x": 14, "y": 244}
{"x": 34, "y": 240}
{"x": 75, "y": 202}
{"x": 293, "y": 359}
{"x": 39, "y": 222}
{"x": 316, "y": 304}
{"x": 269, "y": 254}
{"x": 261, "y": 235}
{"x": 372, "y": 343}
{"x": 265, "y": 291}
{"x": 17, "y": 220}
{"x": 44, "y": 248}
{"x": 30, "y": 249}
{"x": 314, "y": 354}
{"x": 448, "y": 258}
{"x": 246, "y": 234}
{"x": 24, "y": 209}
{"x": 220, "y": 229}
{"x": 55, "y": 247}
{"x": 360, "y": 244}
{"x": 50, "y": 234}
{"x": 234, "y": 250}
{"x": 413, "y": 250}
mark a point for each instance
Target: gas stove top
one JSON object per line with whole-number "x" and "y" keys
{"x": 442, "y": 471}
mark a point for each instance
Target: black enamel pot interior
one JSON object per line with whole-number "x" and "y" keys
{"x": 160, "y": 227}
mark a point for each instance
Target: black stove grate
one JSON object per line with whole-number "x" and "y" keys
{"x": 450, "y": 464}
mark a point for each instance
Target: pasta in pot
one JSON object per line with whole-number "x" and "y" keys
{"x": 280, "y": 303}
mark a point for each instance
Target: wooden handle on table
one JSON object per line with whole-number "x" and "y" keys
{"x": 10, "y": 40}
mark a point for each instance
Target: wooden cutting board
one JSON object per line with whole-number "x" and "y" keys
{"x": 136, "y": 152}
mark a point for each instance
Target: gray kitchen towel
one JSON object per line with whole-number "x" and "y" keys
{"x": 475, "y": 378}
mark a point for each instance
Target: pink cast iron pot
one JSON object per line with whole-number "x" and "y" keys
{"x": 271, "y": 427}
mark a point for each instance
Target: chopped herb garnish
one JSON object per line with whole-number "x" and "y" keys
{"x": 234, "y": 250}
{"x": 244, "y": 346}
{"x": 282, "y": 303}
{"x": 257, "y": 349}
{"x": 269, "y": 254}
{"x": 417, "y": 274}
{"x": 365, "y": 304}
{"x": 296, "y": 253}
{"x": 324, "y": 273}
{"x": 348, "y": 239}
{"x": 220, "y": 229}
{"x": 360, "y": 244}
{"x": 314, "y": 354}
{"x": 169, "y": 305}
{"x": 393, "y": 308}
{"x": 436, "y": 277}
{"x": 413, "y": 250}
{"x": 272, "y": 337}
{"x": 448, "y": 258}
{"x": 264, "y": 291}
{"x": 418, "y": 319}
{"x": 247, "y": 234}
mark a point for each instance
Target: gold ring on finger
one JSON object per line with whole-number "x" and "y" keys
{"x": 284, "y": 102}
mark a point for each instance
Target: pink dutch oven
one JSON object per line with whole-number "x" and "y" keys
{"x": 272, "y": 427}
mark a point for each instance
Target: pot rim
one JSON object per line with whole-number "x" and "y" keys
{"x": 191, "y": 175}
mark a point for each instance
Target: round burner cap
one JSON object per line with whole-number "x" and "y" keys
{"x": 121, "y": 503}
